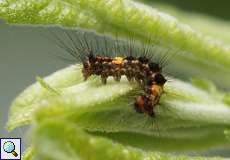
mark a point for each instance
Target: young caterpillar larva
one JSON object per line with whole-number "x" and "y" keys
{"x": 140, "y": 69}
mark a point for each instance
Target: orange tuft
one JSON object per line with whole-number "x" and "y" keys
{"x": 117, "y": 60}
{"x": 157, "y": 91}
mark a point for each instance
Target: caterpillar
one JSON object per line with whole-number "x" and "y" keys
{"x": 136, "y": 67}
{"x": 140, "y": 69}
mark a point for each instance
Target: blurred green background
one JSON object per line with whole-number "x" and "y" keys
{"x": 25, "y": 53}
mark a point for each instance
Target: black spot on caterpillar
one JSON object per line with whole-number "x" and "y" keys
{"x": 105, "y": 58}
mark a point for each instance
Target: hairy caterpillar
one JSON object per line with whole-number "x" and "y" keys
{"x": 142, "y": 70}
{"x": 135, "y": 65}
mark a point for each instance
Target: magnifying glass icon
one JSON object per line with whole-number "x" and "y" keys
{"x": 9, "y": 147}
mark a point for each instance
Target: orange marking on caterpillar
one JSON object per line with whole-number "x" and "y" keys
{"x": 117, "y": 60}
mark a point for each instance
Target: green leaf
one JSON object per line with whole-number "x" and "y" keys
{"x": 25, "y": 103}
{"x": 198, "y": 54}
{"x": 205, "y": 85}
{"x": 186, "y": 112}
{"x": 227, "y": 133}
{"x": 208, "y": 25}
{"x": 227, "y": 98}
{"x": 28, "y": 154}
{"x": 58, "y": 140}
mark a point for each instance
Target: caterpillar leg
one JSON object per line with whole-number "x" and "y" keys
{"x": 143, "y": 105}
{"x": 117, "y": 77}
{"x": 104, "y": 79}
